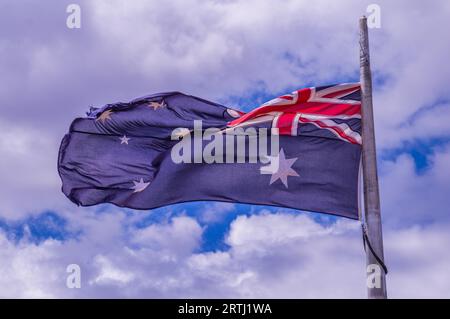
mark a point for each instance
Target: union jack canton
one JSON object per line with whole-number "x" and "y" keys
{"x": 335, "y": 108}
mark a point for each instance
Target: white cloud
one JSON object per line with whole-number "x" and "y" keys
{"x": 297, "y": 258}
{"x": 109, "y": 274}
{"x": 29, "y": 180}
{"x": 408, "y": 197}
{"x": 289, "y": 228}
{"x": 420, "y": 262}
{"x": 217, "y": 49}
{"x": 215, "y": 212}
{"x": 181, "y": 235}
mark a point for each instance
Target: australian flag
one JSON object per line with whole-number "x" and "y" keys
{"x": 300, "y": 150}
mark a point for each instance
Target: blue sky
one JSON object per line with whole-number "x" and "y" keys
{"x": 240, "y": 54}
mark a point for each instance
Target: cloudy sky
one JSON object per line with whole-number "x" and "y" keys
{"x": 238, "y": 53}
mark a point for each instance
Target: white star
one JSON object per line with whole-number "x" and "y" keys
{"x": 139, "y": 186}
{"x": 124, "y": 139}
{"x": 280, "y": 168}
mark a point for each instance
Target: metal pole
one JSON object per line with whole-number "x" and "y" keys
{"x": 370, "y": 176}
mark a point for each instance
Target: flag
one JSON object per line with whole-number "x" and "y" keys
{"x": 300, "y": 150}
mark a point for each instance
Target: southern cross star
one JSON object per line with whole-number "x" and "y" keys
{"x": 106, "y": 115}
{"x": 140, "y": 186}
{"x": 157, "y": 105}
{"x": 124, "y": 139}
{"x": 280, "y": 168}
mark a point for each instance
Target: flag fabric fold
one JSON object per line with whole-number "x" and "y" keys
{"x": 129, "y": 154}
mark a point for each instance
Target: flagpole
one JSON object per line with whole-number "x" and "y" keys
{"x": 374, "y": 237}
